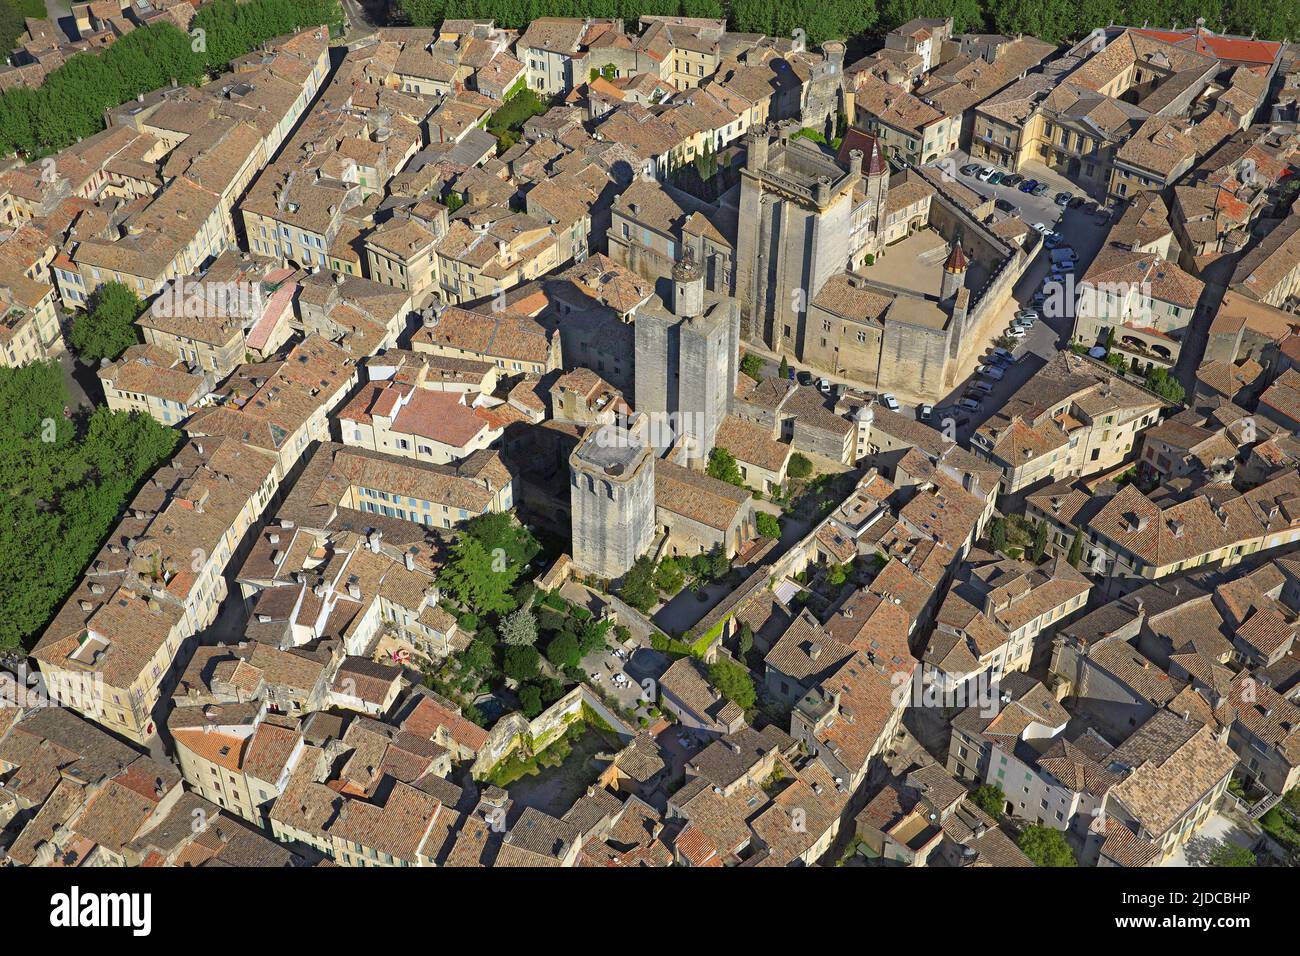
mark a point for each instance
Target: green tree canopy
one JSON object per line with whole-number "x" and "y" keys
{"x": 1046, "y": 846}
{"x": 638, "y": 587}
{"x": 752, "y": 365}
{"x": 521, "y": 662}
{"x": 990, "y": 798}
{"x": 722, "y": 466}
{"x": 66, "y": 479}
{"x": 563, "y": 651}
{"x": 1165, "y": 385}
{"x": 769, "y": 526}
{"x": 476, "y": 579}
{"x": 107, "y": 329}
{"x": 519, "y": 627}
{"x": 799, "y": 466}
{"x": 733, "y": 682}
{"x": 1229, "y": 854}
{"x": 669, "y": 577}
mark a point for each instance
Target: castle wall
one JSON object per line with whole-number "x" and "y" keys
{"x": 913, "y": 359}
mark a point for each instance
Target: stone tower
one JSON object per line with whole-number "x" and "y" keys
{"x": 686, "y": 362}
{"x": 612, "y": 500}
{"x": 954, "y": 273}
{"x": 793, "y": 231}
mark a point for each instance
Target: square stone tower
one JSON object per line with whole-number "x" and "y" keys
{"x": 687, "y": 362}
{"x": 612, "y": 500}
{"x": 794, "y": 232}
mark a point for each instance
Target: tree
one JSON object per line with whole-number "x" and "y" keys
{"x": 1046, "y": 846}
{"x": 521, "y": 662}
{"x": 1165, "y": 385}
{"x": 638, "y": 587}
{"x": 799, "y": 467}
{"x": 530, "y": 700}
{"x": 722, "y": 466}
{"x": 507, "y": 540}
{"x": 1076, "y": 548}
{"x": 837, "y": 574}
{"x": 669, "y": 577}
{"x": 745, "y": 640}
{"x": 563, "y": 651}
{"x": 783, "y": 370}
{"x": 479, "y": 657}
{"x": 715, "y": 564}
{"x": 768, "y": 525}
{"x": 1229, "y": 854}
{"x": 752, "y": 365}
{"x": 733, "y": 682}
{"x": 1039, "y": 547}
{"x": 519, "y": 628}
{"x": 591, "y": 636}
{"x": 65, "y": 477}
{"x": 990, "y": 798}
{"x": 998, "y": 534}
{"x": 477, "y": 579}
{"x": 108, "y": 328}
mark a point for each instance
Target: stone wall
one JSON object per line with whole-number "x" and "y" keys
{"x": 514, "y": 729}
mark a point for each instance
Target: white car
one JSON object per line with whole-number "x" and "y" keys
{"x": 824, "y": 385}
{"x": 1041, "y": 229}
{"x": 986, "y": 174}
{"x": 1028, "y": 314}
{"x": 924, "y": 412}
{"x": 1015, "y": 332}
{"x": 890, "y": 401}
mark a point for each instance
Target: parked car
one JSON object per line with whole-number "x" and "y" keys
{"x": 1015, "y": 331}
{"x": 1075, "y": 202}
{"x": 981, "y": 387}
{"x": 995, "y": 179}
{"x": 1053, "y": 239}
{"x": 1015, "y": 179}
{"x": 1040, "y": 189}
{"x": 992, "y": 372}
{"x": 1003, "y": 204}
{"x": 1002, "y": 355}
{"x": 1028, "y": 314}
{"x": 1041, "y": 229}
{"x": 1062, "y": 254}
{"x": 970, "y": 169}
{"x": 924, "y": 412}
{"x": 804, "y": 378}
{"x": 1029, "y": 185}
{"x": 985, "y": 173}
{"x": 824, "y": 385}
{"x": 969, "y": 404}
{"x": 890, "y": 402}
{"x": 1062, "y": 199}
